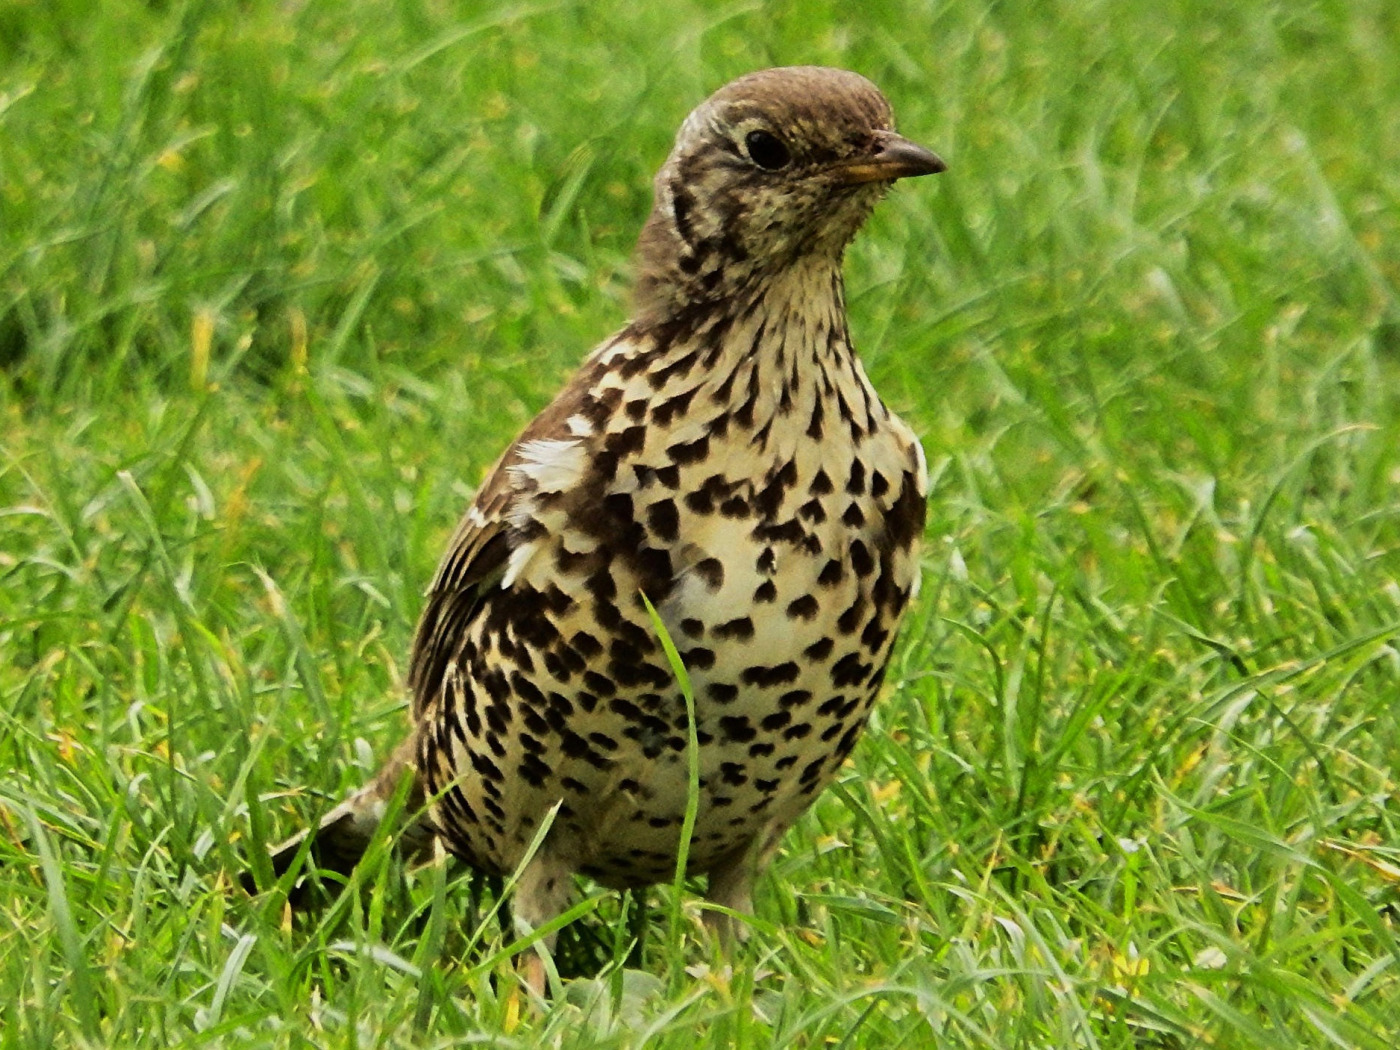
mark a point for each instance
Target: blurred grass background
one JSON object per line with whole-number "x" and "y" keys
{"x": 279, "y": 280}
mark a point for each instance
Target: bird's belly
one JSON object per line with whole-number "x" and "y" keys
{"x": 783, "y": 623}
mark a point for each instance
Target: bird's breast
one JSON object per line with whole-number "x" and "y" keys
{"x": 774, "y": 526}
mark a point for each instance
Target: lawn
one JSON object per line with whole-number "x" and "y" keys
{"x": 278, "y": 281}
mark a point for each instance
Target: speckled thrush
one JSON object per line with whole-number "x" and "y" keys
{"x": 723, "y": 455}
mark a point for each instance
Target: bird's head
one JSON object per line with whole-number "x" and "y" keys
{"x": 774, "y": 167}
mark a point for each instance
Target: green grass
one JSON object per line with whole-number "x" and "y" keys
{"x": 279, "y": 280}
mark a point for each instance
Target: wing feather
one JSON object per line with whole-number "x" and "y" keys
{"x": 480, "y": 550}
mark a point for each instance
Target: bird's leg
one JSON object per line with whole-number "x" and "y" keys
{"x": 541, "y": 894}
{"x": 637, "y": 921}
{"x": 731, "y": 886}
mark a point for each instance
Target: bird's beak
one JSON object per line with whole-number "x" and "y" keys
{"x": 894, "y": 157}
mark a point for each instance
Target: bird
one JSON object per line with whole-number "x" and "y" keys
{"x": 723, "y": 460}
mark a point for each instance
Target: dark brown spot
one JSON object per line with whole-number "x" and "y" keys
{"x": 740, "y": 628}
{"x": 682, "y": 201}
{"x": 569, "y": 563}
{"x": 602, "y": 586}
{"x": 873, "y": 637}
{"x": 788, "y": 532}
{"x": 711, "y": 570}
{"x": 770, "y": 498}
{"x": 735, "y": 507}
{"x": 804, "y": 608}
{"x": 554, "y": 664}
{"x": 557, "y": 602}
{"x": 530, "y": 693}
{"x": 905, "y": 520}
{"x": 598, "y": 408}
{"x": 486, "y": 767}
{"x": 856, "y": 485}
{"x": 628, "y": 710}
{"x": 679, "y": 367}
{"x": 743, "y": 415}
{"x": 770, "y": 676}
{"x": 575, "y": 746}
{"x": 626, "y": 442}
{"x": 598, "y": 684}
{"x": 700, "y": 502}
{"x": 722, "y": 692}
{"x": 761, "y": 435}
{"x": 586, "y": 644}
{"x": 849, "y": 671}
{"x": 849, "y": 620}
{"x": 664, "y": 520}
{"x": 848, "y": 741}
{"x": 669, "y": 409}
{"x": 689, "y": 452}
{"x": 722, "y": 392}
{"x": 766, "y": 592}
{"x": 496, "y": 685}
{"x": 700, "y": 658}
{"x": 736, "y": 729}
{"x": 861, "y": 559}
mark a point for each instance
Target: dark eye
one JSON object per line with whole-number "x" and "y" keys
{"x": 766, "y": 150}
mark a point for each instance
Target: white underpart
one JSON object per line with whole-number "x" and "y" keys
{"x": 576, "y": 544}
{"x": 552, "y": 465}
{"x": 920, "y": 486}
{"x": 921, "y": 472}
{"x": 519, "y": 558}
{"x": 612, "y": 353}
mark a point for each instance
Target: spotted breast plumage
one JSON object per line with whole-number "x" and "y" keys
{"x": 724, "y": 456}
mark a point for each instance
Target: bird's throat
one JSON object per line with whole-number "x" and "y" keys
{"x": 765, "y": 370}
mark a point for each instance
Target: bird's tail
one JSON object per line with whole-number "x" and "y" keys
{"x": 345, "y": 833}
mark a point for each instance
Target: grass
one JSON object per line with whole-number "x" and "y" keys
{"x": 278, "y": 281}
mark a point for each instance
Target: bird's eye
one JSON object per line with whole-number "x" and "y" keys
{"x": 766, "y": 150}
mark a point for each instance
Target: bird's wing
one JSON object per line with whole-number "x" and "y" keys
{"x": 475, "y": 560}
{"x": 478, "y": 557}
